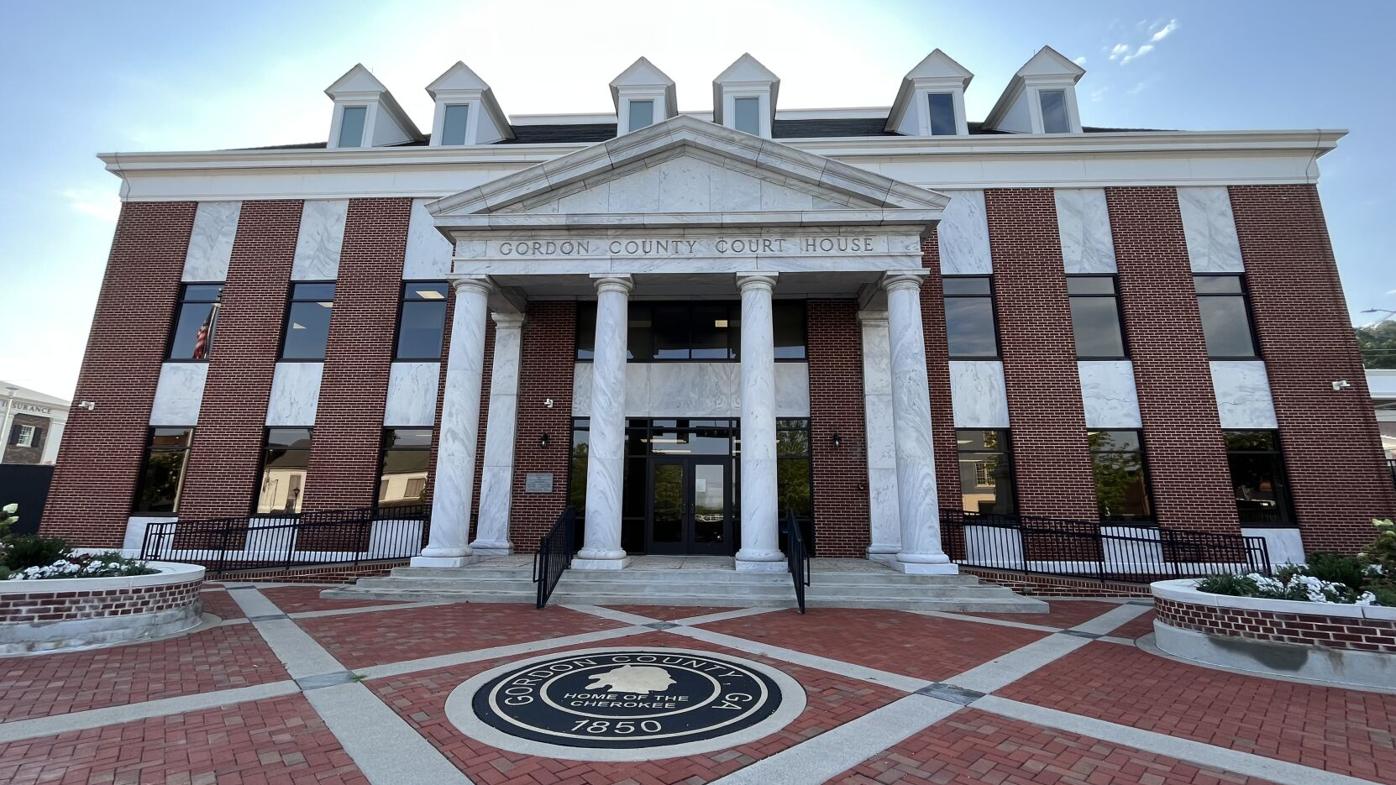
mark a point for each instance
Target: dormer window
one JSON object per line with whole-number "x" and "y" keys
{"x": 744, "y": 97}
{"x": 747, "y": 113}
{"x": 453, "y": 123}
{"x": 643, "y": 95}
{"x": 641, "y": 114}
{"x": 1055, "y": 119}
{"x": 931, "y": 99}
{"x": 466, "y": 110}
{"x": 351, "y": 126}
{"x": 942, "y": 107}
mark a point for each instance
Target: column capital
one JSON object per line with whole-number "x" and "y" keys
{"x": 505, "y": 320}
{"x": 892, "y": 280}
{"x": 609, "y": 282}
{"x": 473, "y": 282}
{"x": 765, "y": 281}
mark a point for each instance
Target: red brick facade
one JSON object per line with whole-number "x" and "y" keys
{"x": 221, "y": 478}
{"x": 100, "y": 456}
{"x": 547, "y": 360}
{"x": 40, "y": 605}
{"x": 1330, "y": 441}
{"x": 938, "y": 375}
{"x": 344, "y": 459}
{"x": 1310, "y": 629}
{"x": 1051, "y": 462}
{"x": 840, "y": 474}
{"x": 1191, "y": 487}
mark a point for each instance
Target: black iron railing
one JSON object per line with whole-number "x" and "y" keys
{"x": 1125, "y": 552}
{"x": 255, "y": 542}
{"x": 796, "y": 558}
{"x": 1391, "y": 467}
{"x": 555, "y": 551}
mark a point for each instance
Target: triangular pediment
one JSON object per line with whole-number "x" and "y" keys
{"x": 1050, "y": 62}
{"x": 685, "y": 165}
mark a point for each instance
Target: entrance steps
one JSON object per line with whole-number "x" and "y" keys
{"x": 695, "y": 581}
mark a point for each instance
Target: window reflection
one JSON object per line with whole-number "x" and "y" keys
{"x": 986, "y": 472}
{"x": 1258, "y": 477}
{"x": 1121, "y": 481}
{"x": 285, "y": 461}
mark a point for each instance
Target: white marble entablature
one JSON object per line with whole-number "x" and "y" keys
{"x": 1083, "y": 223}
{"x": 963, "y": 235}
{"x": 295, "y": 394}
{"x": 693, "y": 389}
{"x": 978, "y": 395}
{"x": 1108, "y": 394}
{"x": 211, "y": 241}
{"x": 411, "y": 399}
{"x": 1210, "y": 230}
{"x": 1242, "y": 388}
{"x": 179, "y": 394}
{"x": 319, "y": 240}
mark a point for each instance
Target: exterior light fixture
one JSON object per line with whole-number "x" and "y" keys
{"x": 836, "y": 440}
{"x": 543, "y": 440}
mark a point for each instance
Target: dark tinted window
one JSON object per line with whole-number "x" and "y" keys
{"x": 748, "y": 115}
{"x": 942, "y": 114}
{"x": 162, "y": 473}
{"x": 969, "y": 318}
{"x": 402, "y": 476}
{"x": 788, "y": 318}
{"x": 1121, "y": 477}
{"x": 422, "y": 322}
{"x": 793, "y": 485}
{"x": 1095, "y": 317}
{"x": 986, "y": 472}
{"x": 285, "y": 460}
{"x": 351, "y": 126}
{"x": 699, "y": 331}
{"x": 1258, "y": 477}
{"x": 670, "y": 327}
{"x": 1225, "y": 321}
{"x": 308, "y": 321}
{"x": 197, "y": 322}
{"x": 1054, "y": 115}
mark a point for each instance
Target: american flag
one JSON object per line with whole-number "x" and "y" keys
{"x": 202, "y": 336}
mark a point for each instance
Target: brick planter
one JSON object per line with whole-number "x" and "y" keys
{"x": 1345, "y": 644}
{"x": 66, "y": 613}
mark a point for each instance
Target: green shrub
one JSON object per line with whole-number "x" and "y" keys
{"x": 1338, "y": 568}
{"x": 31, "y": 550}
{"x": 1233, "y": 585}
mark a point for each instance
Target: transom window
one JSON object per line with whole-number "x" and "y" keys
{"x": 1054, "y": 113}
{"x": 703, "y": 331}
{"x": 351, "y": 126}
{"x": 942, "y": 106}
{"x": 641, "y": 114}
{"x": 423, "y": 320}
{"x": 308, "y": 321}
{"x": 1225, "y": 318}
{"x": 1095, "y": 317}
{"x": 969, "y": 318}
{"x": 453, "y": 123}
{"x": 196, "y": 322}
{"x": 1121, "y": 475}
{"x": 747, "y": 115}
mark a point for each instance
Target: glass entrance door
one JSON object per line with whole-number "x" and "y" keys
{"x": 690, "y": 506}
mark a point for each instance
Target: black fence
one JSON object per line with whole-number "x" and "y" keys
{"x": 26, "y": 485}
{"x": 345, "y": 537}
{"x": 1391, "y": 467}
{"x": 555, "y": 552}
{"x": 796, "y": 559}
{"x": 1094, "y": 549}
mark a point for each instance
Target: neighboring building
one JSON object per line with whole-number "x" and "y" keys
{"x": 32, "y": 424}
{"x": 1382, "y": 383}
{"x": 689, "y": 324}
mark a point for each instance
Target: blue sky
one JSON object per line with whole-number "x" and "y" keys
{"x": 97, "y": 77}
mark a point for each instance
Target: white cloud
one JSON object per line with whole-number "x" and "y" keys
{"x": 1138, "y": 53}
{"x": 1118, "y": 50}
{"x": 1137, "y": 88}
{"x": 1124, "y": 53}
{"x": 1165, "y": 31}
{"x": 1081, "y": 61}
{"x": 1098, "y": 94}
{"x": 98, "y": 203}
{"x": 1393, "y": 291}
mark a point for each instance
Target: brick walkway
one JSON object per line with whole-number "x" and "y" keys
{"x": 890, "y": 697}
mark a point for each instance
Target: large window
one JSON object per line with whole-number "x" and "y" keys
{"x": 969, "y": 318}
{"x": 986, "y": 472}
{"x": 1258, "y": 477}
{"x": 197, "y": 321}
{"x": 402, "y": 478}
{"x": 1225, "y": 320}
{"x": 1121, "y": 476}
{"x": 24, "y": 435}
{"x": 1095, "y": 317}
{"x": 704, "y": 331}
{"x": 453, "y": 123}
{"x": 747, "y": 113}
{"x": 641, "y": 114}
{"x": 1054, "y": 112}
{"x": 162, "y": 471}
{"x": 422, "y": 321}
{"x": 351, "y": 126}
{"x": 308, "y": 321}
{"x": 285, "y": 461}
{"x": 942, "y": 107}
{"x": 794, "y": 475}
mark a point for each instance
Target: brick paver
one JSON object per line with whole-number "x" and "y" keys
{"x": 213, "y": 659}
{"x": 1062, "y": 613}
{"x": 668, "y": 612}
{"x": 420, "y": 698}
{"x": 271, "y": 741}
{"x": 1343, "y": 731}
{"x": 1136, "y": 627}
{"x": 925, "y": 647}
{"x": 972, "y": 748}
{"x": 297, "y": 599}
{"x": 362, "y": 639}
{"x": 221, "y": 604}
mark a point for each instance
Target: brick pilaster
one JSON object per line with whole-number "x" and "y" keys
{"x": 947, "y": 453}
{"x": 839, "y": 474}
{"x": 547, "y": 360}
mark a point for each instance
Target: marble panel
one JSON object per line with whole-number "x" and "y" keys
{"x": 1210, "y": 230}
{"x": 295, "y": 394}
{"x": 179, "y": 394}
{"x": 319, "y": 241}
{"x": 428, "y": 251}
{"x": 792, "y": 389}
{"x": 1108, "y": 394}
{"x": 963, "y": 235}
{"x": 1284, "y": 545}
{"x": 412, "y": 395}
{"x": 1083, "y": 222}
{"x": 978, "y": 394}
{"x": 211, "y": 241}
{"x": 1243, "y": 394}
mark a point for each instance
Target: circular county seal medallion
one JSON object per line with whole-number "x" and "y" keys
{"x": 622, "y": 704}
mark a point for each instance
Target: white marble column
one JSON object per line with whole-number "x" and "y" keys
{"x": 760, "y": 549}
{"x": 884, "y": 520}
{"x": 496, "y": 478}
{"x": 459, "y": 429}
{"x": 917, "y": 503}
{"x": 606, "y": 445}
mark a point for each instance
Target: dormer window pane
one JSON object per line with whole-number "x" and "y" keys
{"x": 641, "y": 114}
{"x": 351, "y": 126}
{"x": 747, "y": 115}
{"x": 453, "y": 125}
{"x": 942, "y": 114}
{"x": 1054, "y": 120}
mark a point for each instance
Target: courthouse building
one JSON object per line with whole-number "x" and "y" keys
{"x": 689, "y": 325}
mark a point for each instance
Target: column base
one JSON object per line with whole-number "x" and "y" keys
{"x": 925, "y": 568}
{"x": 749, "y": 560}
{"x": 491, "y": 548}
{"x": 579, "y": 563}
{"x": 883, "y": 557}
{"x": 447, "y": 562}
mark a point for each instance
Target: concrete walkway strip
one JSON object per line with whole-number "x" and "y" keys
{"x": 479, "y": 655}
{"x": 299, "y": 652}
{"x": 1196, "y": 752}
{"x": 611, "y": 613}
{"x": 1112, "y": 619}
{"x": 709, "y": 618}
{"x": 852, "y": 671}
{"x": 1022, "y": 625}
{"x": 401, "y": 606}
{"x": 253, "y": 602}
{"x": 1008, "y": 668}
{"x": 162, "y": 707}
{"x": 829, "y": 754}
{"x": 385, "y": 747}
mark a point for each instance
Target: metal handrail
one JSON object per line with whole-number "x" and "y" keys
{"x": 796, "y": 558}
{"x": 555, "y": 552}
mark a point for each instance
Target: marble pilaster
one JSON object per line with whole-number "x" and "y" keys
{"x": 1083, "y": 223}
{"x": 884, "y": 519}
{"x": 760, "y": 549}
{"x": 917, "y": 503}
{"x": 459, "y": 428}
{"x": 319, "y": 240}
{"x": 601, "y": 549}
{"x": 1210, "y": 230}
{"x": 496, "y": 478}
{"x": 211, "y": 241}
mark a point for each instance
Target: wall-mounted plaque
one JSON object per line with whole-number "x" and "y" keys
{"x": 538, "y": 482}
